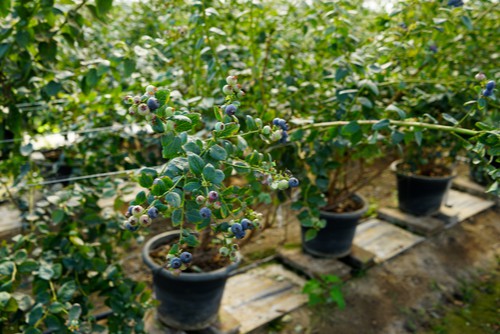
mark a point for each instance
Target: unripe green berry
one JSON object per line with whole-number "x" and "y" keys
{"x": 283, "y": 184}
{"x": 231, "y": 80}
{"x": 224, "y": 251}
{"x": 266, "y": 130}
{"x": 227, "y": 90}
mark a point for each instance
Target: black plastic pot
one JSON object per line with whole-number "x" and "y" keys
{"x": 189, "y": 301}
{"x": 335, "y": 239}
{"x": 421, "y": 195}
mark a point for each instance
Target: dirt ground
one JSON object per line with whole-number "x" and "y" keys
{"x": 402, "y": 295}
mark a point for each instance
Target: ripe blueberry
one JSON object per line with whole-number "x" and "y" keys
{"x": 246, "y": 224}
{"x": 153, "y": 212}
{"x": 153, "y": 103}
{"x": 236, "y": 228}
{"x": 490, "y": 85}
{"x": 186, "y": 257}
{"x": 487, "y": 92}
{"x": 293, "y": 182}
{"x": 230, "y": 110}
{"x": 276, "y": 121}
{"x": 284, "y": 137}
{"x": 130, "y": 227}
{"x": 455, "y": 3}
{"x": 175, "y": 263}
{"x": 205, "y": 212}
{"x": 240, "y": 235}
{"x": 213, "y": 196}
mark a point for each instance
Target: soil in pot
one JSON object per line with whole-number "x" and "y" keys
{"x": 422, "y": 192}
{"x": 189, "y": 300}
{"x": 335, "y": 239}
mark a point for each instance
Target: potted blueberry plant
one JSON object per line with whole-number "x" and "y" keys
{"x": 193, "y": 190}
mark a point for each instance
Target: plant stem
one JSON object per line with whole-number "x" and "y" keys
{"x": 445, "y": 128}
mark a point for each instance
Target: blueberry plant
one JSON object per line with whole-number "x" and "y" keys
{"x": 194, "y": 187}
{"x": 54, "y": 277}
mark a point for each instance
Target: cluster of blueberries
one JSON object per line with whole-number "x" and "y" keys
{"x": 488, "y": 91}
{"x": 184, "y": 258}
{"x": 143, "y": 105}
{"x": 239, "y": 229}
{"x": 137, "y": 218}
{"x": 281, "y": 123}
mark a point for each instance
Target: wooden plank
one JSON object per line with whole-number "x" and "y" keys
{"x": 313, "y": 266}
{"x": 465, "y": 205}
{"x": 465, "y": 184}
{"x": 359, "y": 258}
{"x": 383, "y": 239}
{"x": 226, "y": 324}
{"x": 261, "y": 295}
{"x": 10, "y": 222}
{"x": 424, "y": 225}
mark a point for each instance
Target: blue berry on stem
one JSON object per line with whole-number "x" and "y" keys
{"x": 153, "y": 212}
{"x": 293, "y": 182}
{"x": 246, "y": 224}
{"x": 490, "y": 85}
{"x": 186, "y": 257}
{"x": 240, "y": 235}
{"x": 205, "y": 212}
{"x": 236, "y": 228}
{"x": 153, "y": 103}
{"x": 487, "y": 92}
{"x": 175, "y": 263}
{"x": 230, "y": 110}
{"x": 276, "y": 121}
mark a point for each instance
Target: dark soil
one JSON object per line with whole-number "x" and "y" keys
{"x": 349, "y": 205}
{"x": 426, "y": 170}
{"x": 203, "y": 260}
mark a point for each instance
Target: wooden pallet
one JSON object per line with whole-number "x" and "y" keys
{"x": 262, "y": 295}
{"x": 384, "y": 239}
{"x": 458, "y": 206}
{"x": 313, "y": 266}
{"x": 465, "y": 184}
{"x": 250, "y": 300}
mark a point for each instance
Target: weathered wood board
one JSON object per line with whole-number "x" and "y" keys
{"x": 359, "y": 258}
{"x": 464, "y": 205}
{"x": 261, "y": 295}
{"x": 313, "y": 266}
{"x": 384, "y": 239}
{"x": 465, "y": 184}
{"x": 10, "y": 221}
{"x": 424, "y": 225}
{"x": 226, "y": 324}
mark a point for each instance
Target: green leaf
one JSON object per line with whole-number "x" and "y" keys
{"x": 213, "y": 175}
{"x": 104, "y": 6}
{"x": 28, "y": 266}
{"x": 171, "y": 145}
{"x": 370, "y": 85}
{"x": 467, "y": 22}
{"x": 158, "y": 126}
{"x": 66, "y": 291}
{"x": 4, "y": 8}
{"x": 52, "y": 88}
{"x": 450, "y": 118}
{"x": 140, "y": 198}
{"x": 418, "y": 137}
{"x": 182, "y": 123}
{"x": 229, "y": 130}
{"x": 217, "y": 152}
{"x": 192, "y": 186}
{"x": 159, "y": 188}
{"x": 400, "y": 112}
{"x": 193, "y": 215}
{"x": 91, "y": 78}
{"x": 196, "y": 163}
{"x": 145, "y": 180}
{"x": 7, "y": 268}
{"x": 174, "y": 199}
{"x": 56, "y": 307}
{"x": 4, "y": 47}
{"x": 311, "y": 234}
{"x": 397, "y": 137}
{"x": 58, "y": 216}
{"x": 365, "y": 102}
{"x": 380, "y": 125}
{"x": 350, "y": 129}
{"x": 35, "y": 314}
{"x": 162, "y": 96}
{"x": 176, "y": 217}
{"x": 74, "y": 312}
{"x": 4, "y": 299}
